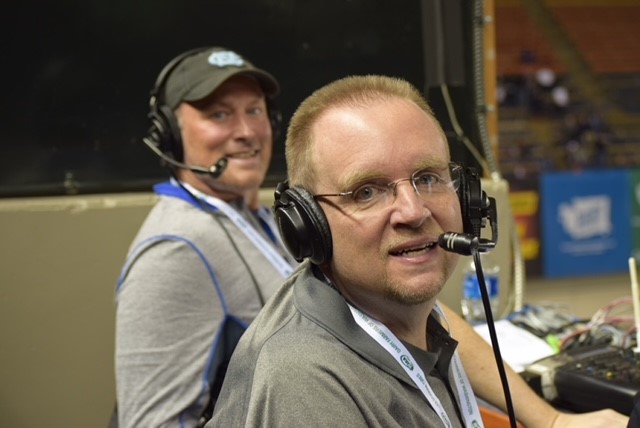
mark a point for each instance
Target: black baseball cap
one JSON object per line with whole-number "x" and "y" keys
{"x": 198, "y": 75}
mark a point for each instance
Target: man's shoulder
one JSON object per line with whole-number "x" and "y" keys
{"x": 175, "y": 217}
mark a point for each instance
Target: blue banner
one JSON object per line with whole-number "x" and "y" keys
{"x": 586, "y": 222}
{"x": 635, "y": 211}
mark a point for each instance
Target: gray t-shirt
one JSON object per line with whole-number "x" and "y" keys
{"x": 184, "y": 297}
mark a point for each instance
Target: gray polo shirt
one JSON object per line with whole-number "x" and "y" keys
{"x": 305, "y": 362}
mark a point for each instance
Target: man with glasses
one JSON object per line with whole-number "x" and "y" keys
{"x": 355, "y": 337}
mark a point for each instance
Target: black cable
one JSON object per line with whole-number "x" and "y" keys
{"x": 494, "y": 338}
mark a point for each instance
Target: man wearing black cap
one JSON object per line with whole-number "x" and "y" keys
{"x": 208, "y": 255}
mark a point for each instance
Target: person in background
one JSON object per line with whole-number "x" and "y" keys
{"x": 208, "y": 255}
{"x": 356, "y": 337}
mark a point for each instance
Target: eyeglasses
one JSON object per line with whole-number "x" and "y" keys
{"x": 427, "y": 184}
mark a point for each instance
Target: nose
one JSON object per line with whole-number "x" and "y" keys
{"x": 395, "y": 185}
{"x": 244, "y": 126}
{"x": 408, "y": 206}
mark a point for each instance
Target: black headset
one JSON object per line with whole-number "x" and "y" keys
{"x": 306, "y": 234}
{"x": 164, "y": 131}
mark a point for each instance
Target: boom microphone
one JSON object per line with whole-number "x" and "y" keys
{"x": 464, "y": 243}
{"x": 461, "y": 243}
{"x": 214, "y": 170}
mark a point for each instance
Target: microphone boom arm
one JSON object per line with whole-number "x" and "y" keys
{"x": 214, "y": 170}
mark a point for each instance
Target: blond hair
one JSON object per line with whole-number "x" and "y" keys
{"x": 356, "y": 91}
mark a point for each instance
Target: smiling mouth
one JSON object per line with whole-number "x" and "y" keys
{"x": 414, "y": 251}
{"x": 244, "y": 155}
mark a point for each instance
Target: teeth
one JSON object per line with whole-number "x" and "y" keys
{"x": 416, "y": 250}
{"x": 244, "y": 155}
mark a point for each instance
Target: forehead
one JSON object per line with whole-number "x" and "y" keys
{"x": 385, "y": 137}
{"x": 236, "y": 86}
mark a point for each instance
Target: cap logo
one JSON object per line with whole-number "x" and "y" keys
{"x": 225, "y": 59}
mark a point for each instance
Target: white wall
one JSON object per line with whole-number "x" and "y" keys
{"x": 59, "y": 262}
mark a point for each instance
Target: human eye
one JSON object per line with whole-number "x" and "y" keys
{"x": 368, "y": 194}
{"x": 219, "y": 114}
{"x": 254, "y": 111}
{"x": 427, "y": 179}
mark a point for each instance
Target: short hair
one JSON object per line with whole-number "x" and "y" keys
{"x": 348, "y": 91}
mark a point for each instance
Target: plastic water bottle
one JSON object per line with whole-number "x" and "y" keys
{"x": 472, "y": 307}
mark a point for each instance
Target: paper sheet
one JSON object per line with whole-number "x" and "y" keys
{"x": 518, "y": 347}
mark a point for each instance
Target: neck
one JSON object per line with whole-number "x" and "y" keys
{"x": 204, "y": 187}
{"x": 407, "y": 321}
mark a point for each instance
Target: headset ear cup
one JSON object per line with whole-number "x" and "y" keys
{"x": 170, "y": 135}
{"x": 275, "y": 119}
{"x": 164, "y": 131}
{"x": 463, "y": 193}
{"x": 472, "y": 201}
{"x": 303, "y": 225}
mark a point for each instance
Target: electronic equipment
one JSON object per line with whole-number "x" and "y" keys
{"x": 591, "y": 378}
{"x": 306, "y": 233}
{"x": 588, "y": 378}
{"x": 164, "y": 130}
